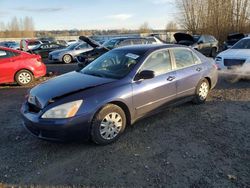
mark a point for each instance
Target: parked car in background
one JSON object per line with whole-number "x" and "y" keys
{"x": 10, "y": 44}
{"x": 206, "y": 44}
{"x": 20, "y": 67}
{"x": 235, "y": 62}
{"x": 232, "y": 39}
{"x": 68, "y": 54}
{"x": 98, "y": 50}
{"x": 118, "y": 88}
{"x": 44, "y": 49}
{"x": 28, "y": 44}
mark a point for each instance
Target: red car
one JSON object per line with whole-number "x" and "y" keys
{"x": 20, "y": 67}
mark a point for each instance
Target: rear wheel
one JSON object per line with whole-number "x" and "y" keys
{"x": 202, "y": 91}
{"x": 24, "y": 77}
{"x": 108, "y": 124}
{"x": 67, "y": 59}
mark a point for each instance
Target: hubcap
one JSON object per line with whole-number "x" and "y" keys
{"x": 67, "y": 59}
{"x": 24, "y": 78}
{"x": 203, "y": 91}
{"x": 111, "y": 126}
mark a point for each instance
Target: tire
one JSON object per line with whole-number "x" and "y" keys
{"x": 24, "y": 77}
{"x": 67, "y": 59}
{"x": 108, "y": 124}
{"x": 213, "y": 52}
{"x": 202, "y": 91}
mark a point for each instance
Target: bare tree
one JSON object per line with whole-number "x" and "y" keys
{"x": 145, "y": 28}
{"x": 215, "y": 17}
{"x": 171, "y": 26}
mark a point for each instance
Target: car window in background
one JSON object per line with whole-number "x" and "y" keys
{"x": 72, "y": 46}
{"x": 127, "y": 42}
{"x": 159, "y": 62}
{"x": 197, "y": 38}
{"x": 82, "y": 46}
{"x": 150, "y": 41}
{"x": 242, "y": 44}
{"x": 183, "y": 58}
{"x": 33, "y": 43}
{"x": 110, "y": 44}
{"x": 114, "y": 64}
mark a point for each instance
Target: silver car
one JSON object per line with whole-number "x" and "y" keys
{"x": 67, "y": 55}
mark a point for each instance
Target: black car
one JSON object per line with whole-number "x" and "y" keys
{"x": 206, "y": 44}
{"x": 44, "y": 49}
{"x": 87, "y": 57}
{"x": 232, "y": 39}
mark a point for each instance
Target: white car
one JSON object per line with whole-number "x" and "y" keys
{"x": 235, "y": 62}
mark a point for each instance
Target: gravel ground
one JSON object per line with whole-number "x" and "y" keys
{"x": 186, "y": 146}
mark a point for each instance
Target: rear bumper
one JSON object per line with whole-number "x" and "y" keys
{"x": 40, "y": 71}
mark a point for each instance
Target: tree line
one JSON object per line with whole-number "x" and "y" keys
{"x": 16, "y": 28}
{"x": 215, "y": 17}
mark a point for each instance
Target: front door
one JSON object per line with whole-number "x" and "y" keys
{"x": 148, "y": 95}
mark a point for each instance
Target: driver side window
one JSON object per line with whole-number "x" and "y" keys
{"x": 159, "y": 62}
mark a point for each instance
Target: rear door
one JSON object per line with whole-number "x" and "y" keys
{"x": 188, "y": 71}
{"x": 8, "y": 65}
{"x": 148, "y": 95}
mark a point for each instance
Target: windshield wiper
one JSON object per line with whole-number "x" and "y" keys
{"x": 95, "y": 74}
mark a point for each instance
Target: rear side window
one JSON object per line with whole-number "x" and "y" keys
{"x": 125, "y": 43}
{"x": 159, "y": 62}
{"x": 7, "y": 54}
{"x": 183, "y": 58}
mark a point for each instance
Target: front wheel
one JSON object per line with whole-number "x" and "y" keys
{"x": 67, "y": 59}
{"x": 202, "y": 91}
{"x": 108, "y": 124}
{"x": 24, "y": 77}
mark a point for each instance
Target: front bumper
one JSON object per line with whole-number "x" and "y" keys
{"x": 76, "y": 128}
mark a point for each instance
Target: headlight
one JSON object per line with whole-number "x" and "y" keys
{"x": 66, "y": 110}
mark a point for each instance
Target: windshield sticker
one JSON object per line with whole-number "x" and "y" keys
{"x": 133, "y": 56}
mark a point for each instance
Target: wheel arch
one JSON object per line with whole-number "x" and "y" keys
{"x": 125, "y": 108}
{"x": 26, "y": 69}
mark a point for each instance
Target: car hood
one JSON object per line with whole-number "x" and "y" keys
{"x": 65, "y": 85}
{"x": 183, "y": 37}
{"x": 235, "y": 36}
{"x": 90, "y": 41}
{"x": 236, "y": 54}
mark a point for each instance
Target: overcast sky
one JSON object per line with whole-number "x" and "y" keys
{"x": 90, "y": 14}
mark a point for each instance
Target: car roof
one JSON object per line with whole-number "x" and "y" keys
{"x": 142, "y": 49}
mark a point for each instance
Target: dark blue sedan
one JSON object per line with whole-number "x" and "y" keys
{"x": 115, "y": 90}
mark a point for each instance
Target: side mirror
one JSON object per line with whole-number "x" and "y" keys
{"x": 3, "y": 53}
{"x": 145, "y": 75}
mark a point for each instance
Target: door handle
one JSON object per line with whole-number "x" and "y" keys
{"x": 171, "y": 78}
{"x": 199, "y": 69}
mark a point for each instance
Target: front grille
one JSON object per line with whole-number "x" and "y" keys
{"x": 32, "y": 108}
{"x": 234, "y": 62}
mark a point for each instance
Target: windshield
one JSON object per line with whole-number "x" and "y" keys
{"x": 110, "y": 44}
{"x": 242, "y": 44}
{"x": 72, "y": 46}
{"x": 114, "y": 64}
{"x": 196, "y": 38}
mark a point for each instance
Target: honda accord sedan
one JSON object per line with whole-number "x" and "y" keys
{"x": 115, "y": 90}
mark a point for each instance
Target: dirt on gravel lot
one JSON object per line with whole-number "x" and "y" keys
{"x": 185, "y": 146}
